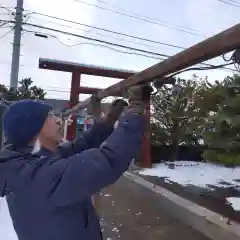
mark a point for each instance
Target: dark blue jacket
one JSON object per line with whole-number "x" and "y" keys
{"x": 49, "y": 194}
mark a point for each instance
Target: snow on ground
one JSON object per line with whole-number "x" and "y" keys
{"x": 198, "y": 174}
{"x": 6, "y": 227}
{"x": 234, "y": 202}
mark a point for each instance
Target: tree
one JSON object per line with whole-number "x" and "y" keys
{"x": 178, "y": 113}
{"x": 224, "y": 137}
{"x": 23, "y": 91}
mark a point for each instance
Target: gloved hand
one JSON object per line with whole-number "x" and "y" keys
{"x": 116, "y": 110}
{"x": 139, "y": 96}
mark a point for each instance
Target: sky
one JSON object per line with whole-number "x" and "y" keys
{"x": 182, "y": 23}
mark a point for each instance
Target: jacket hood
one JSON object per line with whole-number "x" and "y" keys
{"x": 10, "y": 163}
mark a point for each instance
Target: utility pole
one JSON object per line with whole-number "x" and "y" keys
{"x": 16, "y": 45}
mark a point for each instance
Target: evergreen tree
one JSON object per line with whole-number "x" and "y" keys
{"x": 178, "y": 113}
{"x": 25, "y": 90}
{"x": 223, "y": 137}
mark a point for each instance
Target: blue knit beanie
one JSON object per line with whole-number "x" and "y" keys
{"x": 23, "y": 120}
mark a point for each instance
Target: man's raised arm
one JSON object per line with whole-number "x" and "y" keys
{"x": 94, "y": 137}
{"x": 82, "y": 175}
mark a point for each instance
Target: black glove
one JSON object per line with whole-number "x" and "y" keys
{"x": 115, "y": 110}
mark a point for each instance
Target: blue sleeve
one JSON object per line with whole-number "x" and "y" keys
{"x": 82, "y": 175}
{"x": 92, "y": 138}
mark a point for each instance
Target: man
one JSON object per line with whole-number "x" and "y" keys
{"x": 49, "y": 192}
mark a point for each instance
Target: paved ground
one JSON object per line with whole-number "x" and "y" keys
{"x": 213, "y": 200}
{"x": 129, "y": 211}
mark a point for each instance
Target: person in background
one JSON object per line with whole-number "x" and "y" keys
{"x": 49, "y": 191}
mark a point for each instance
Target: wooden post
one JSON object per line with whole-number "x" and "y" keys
{"x": 74, "y": 99}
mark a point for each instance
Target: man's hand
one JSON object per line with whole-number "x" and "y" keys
{"x": 139, "y": 96}
{"x": 116, "y": 110}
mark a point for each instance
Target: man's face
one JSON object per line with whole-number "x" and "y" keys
{"x": 51, "y": 130}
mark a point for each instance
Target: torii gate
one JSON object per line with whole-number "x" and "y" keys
{"x": 77, "y": 70}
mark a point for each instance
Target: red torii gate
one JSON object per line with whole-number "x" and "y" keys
{"x": 77, "y": 70}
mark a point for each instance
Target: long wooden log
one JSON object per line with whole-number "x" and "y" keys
{"x": 219, "y": 44}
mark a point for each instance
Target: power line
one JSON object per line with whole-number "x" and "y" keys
{"x": 4, "y": 35}
{"x": 147, "y": 17}
{"x": 139, "y": 18}
{"x": 114, "y": 44}
{"x": 4, "y": 14}
{"x": 96, "y": 40}
{"x": 104, "y": 35}
{"x": 119, "y": 45}
{"x": 49, "y": 90}
{"x": 231, "y": 3}
{"x": 107, "y": 30}
{"x": 8, "y": 9}
{"x": 99, "y": 45}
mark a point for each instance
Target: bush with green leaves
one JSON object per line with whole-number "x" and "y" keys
{"x": 223, "y": 138}
{"x": 180, "y": 117}
{"x": 25, "y": 90}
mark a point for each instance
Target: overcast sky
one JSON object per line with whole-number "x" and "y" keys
{"x": 188, "y": 22}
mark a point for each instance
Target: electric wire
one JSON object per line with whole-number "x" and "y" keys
{"x": 232, "y": 3}
{"x": 100, "y": 45}
{"x": 96, "y": 40}
{"x": 117, "y": 45}
{"x": 107, "y": 30}
{"x": 139, "y": 18}
{"x": 108, "y": 36}
{"x": 146, "y": 17}
{"x": 113, "y": 44}
{"x": 5, "y": 34}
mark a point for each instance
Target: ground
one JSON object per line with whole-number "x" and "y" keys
{"x": 206, "y": 184}
{"x": 129, "y": 211}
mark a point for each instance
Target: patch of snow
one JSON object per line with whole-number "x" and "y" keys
{"x": 115, "y": 230}
{"x": 107, "y": 195}
{"x": 167, "y": 181}
{"x": 198, "y": 174}
{"x": 234, "y": 202}
{"x": 7, "y": 231}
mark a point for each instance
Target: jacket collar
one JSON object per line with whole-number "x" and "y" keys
{"x": 28, "y": 149}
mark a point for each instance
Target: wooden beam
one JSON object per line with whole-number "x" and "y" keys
{"x": 219, "y": 44}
